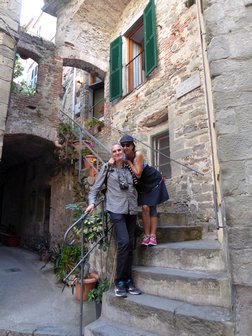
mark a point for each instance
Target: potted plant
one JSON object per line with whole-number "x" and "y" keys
{"x": 93, "y": 231}
{"x": 66, "y": 132}
{"x": 87, "y": 149}
{"x": 89, "y": 284}
{"x": 10, "y": 237}
{"x": 96, "y": 294}
{"x": 94, "y": 125}
{"x": 92, "y": 225}
{"x": 66, "y": 259}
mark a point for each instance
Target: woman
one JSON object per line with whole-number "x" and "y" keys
{"x": 150, "y": 186}
{"x": 121, "y": 203}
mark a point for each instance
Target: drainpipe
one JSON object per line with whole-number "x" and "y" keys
{"x": 73, "y": 94}
{"x": 218, "y": 202}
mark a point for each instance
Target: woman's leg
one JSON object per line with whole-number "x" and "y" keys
{"x": 146, "y": 219}
{"x": 153, "y": 220}
{"x": 153, "y": 225}
{"x": 146, "y": 224}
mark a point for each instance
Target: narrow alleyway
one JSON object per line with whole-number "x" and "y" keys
{"x": 32, "y": 301}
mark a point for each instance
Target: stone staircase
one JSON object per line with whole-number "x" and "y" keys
{"x": 186, "y": 289}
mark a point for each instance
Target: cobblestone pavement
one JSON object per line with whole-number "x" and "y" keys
{"x": 31, "y": 302}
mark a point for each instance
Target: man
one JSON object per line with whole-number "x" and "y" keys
{"x": 121, "y": 203}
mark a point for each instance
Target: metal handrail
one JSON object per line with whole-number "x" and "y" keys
{"x": 82, "y": 217}
{"x": 95, "y": 140}
{"x": 83, "y": 257}
{"x": 82, "y": 132}
{"x": 154, "y": 150}
{"x": 85, "y": 132}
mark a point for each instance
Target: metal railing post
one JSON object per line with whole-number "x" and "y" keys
{"x": 155, "y": 150}
{"x": 83, "y": 258}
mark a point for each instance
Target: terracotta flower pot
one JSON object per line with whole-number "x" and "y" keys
{"x": 92, "y": 172}
{"x": 88, "y": 285}
{"x": 90, "y": 158}
{"x": 12, "y": 240}
{"x": 78, "y": 145}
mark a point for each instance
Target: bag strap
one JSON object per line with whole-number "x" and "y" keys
{"x": 105, "y": 180}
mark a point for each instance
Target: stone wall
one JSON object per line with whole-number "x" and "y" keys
{"x": 61, "y": 195}
{"x": 229, "y": 33}
{"x": 83, "y": 31}
{"x": 38, "y": 114}
{"x": 9, "y": 26}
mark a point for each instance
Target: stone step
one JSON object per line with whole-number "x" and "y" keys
{"x": 113, "y": 328}
{"x": 175, "y": 233}
{"x": 166, "y": 234}
{"x": 198, "y": 255}
{"x": 169, "y": 218}
{"x": 161, "y": 316}
{"x": 203, "y": 288}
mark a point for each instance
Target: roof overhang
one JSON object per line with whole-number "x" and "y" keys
{"x": 52, "y": 6}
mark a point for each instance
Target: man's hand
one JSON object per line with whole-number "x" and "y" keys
{"x": 90, "y": 208}
{"x": 111, "y": 162}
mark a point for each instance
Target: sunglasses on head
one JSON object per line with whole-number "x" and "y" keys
{"x": 127, "y": 144}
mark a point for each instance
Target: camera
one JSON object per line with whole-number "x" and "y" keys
{"x": 123, "y": 185}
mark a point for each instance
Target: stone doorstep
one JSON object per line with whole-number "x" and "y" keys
{"x": 198, "y": 255}
{"x": 112, "y": 328}
{"x": 167, "y": 234}
{"x": 41, "y": 331}
{"x": 164, "y": 317}
{"x": 194, "y": 287}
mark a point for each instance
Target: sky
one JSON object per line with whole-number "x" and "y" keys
{"x": 30, "y": 8}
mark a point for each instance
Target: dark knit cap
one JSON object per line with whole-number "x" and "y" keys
{"x": 126, "y": 138}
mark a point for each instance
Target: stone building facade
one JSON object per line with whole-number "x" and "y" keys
{"x": 9, "y": 27}
{"x": 199, "y": 93}
{"x": 228, "y": 32}
{"x": 31, "y": 182}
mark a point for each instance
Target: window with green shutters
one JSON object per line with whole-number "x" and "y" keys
{"x": 150, "y": 39}
{"x": 116, "y": 68}
{"x": 136, "y": 70}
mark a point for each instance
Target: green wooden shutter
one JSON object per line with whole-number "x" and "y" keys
{"x": 150, "y": 38}
{"x": 115, "y": 79}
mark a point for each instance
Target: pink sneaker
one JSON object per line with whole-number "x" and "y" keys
{"x": 152, "y": 240}
{"x": 146, "y": 240}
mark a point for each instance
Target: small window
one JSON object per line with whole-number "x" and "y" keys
{"x": 25, "y": 76}
{"x": 161, "y": 156}
{"x": 135, "y": 64}
{"x": 34, "y": 76}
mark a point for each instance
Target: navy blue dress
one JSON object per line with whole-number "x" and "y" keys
{"x": 151, "y": 187}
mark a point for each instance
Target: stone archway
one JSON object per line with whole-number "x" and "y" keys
{"x": 83, "y": 86}
{"x": 84, "y": 65}
{"x": 26, "y": 172}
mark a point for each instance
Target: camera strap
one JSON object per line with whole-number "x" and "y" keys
{"x": 104, "y": 187}
{"x": 122, "y": 176}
